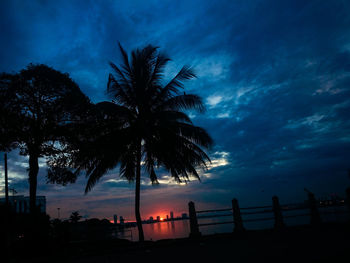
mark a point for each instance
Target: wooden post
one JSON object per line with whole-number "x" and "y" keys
{"x": 279, "y": 224}
{"x": 237, "y": 219}
{"x": 348, "y": 197}
{"x": 194, "y": 229}
{"x": 315, "y": 218}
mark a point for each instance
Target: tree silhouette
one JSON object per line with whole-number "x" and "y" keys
{"x": 75, "y": 217}
{"x": 44, "y": 102}
{"x": 144, "y": 125}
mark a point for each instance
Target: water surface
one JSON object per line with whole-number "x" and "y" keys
{"x": 181, "y": 228}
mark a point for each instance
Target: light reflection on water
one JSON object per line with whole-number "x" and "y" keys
{"x": 181, "y": 228}
{"x": 163, "y": 230}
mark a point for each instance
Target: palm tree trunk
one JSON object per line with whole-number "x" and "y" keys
{"x": 137, "y": 194}
{"x": 33, "y": 174}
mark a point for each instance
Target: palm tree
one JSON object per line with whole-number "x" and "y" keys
{"x": 144, "y": 125}
{"x": 43, "y": 102}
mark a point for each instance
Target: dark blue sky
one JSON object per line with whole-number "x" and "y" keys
{"x": 274, "y": 75}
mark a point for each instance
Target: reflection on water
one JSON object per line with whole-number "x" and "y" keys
{"x": 166, "y": 230}
{"x": 159, "y": 230}
{"x": 181, "y": 228}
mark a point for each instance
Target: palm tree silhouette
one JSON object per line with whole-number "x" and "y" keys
{"x": 145, "y": 125}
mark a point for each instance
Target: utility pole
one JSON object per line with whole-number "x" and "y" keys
{"x": 58, "y": 212}
{"x": 6, "y": 181}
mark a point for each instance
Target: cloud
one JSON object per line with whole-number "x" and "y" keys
{"x": 212, "y": 101}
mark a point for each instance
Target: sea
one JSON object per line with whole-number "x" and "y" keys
{"x": 181, "y": 228}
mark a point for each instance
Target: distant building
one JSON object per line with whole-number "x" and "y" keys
{"x": 158, "y": 218}
{"x": 121, "y": 220}
{"x": 151, "y": 219}
{"x": 184, "y": 216}
{"x": 115, "y": 217}
{"x": 171, "y": 215}
{"x": 167, "y": 217}
{"x": 20, "y": 203}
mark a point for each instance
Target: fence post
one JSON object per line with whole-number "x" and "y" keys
{"x": 237, "y": 218}
{"x": 315, "y": 215}
{"x": 194, "y": 229}
{"x": 348, "y": 197}
{"x": 277, "y": 211}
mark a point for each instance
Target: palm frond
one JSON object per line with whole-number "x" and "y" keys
{"x": 99, "y": 169}
{"x": 118, "y": 112}
{"x": 176, "y": 83}
{"x": 128, "y": 166}
{"x": 158, "y": 69}
{"x": 124, "y": 79}
{"x": 172, "y": 116}
{"x": 153, "y": 176}
{"x": 125, "y": 58}
{"x": 193, "y": 133}
{"x": 118, "y": 92}
{"x": 184, "y": 102}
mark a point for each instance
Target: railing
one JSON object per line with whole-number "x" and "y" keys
{"x": 122, "y": 233}
{"x": 276, "y": 209}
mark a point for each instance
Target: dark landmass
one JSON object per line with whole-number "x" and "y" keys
{"x": 326, "y": 243}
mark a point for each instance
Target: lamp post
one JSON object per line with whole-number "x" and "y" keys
{"x": 58, "y": 212}
{"x": 6, "y": 181}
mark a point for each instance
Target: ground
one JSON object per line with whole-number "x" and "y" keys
{"x": 326, "y": 243}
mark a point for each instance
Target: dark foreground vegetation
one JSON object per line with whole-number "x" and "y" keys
{"x": 20, "y": 231}
{"x": 326, "y": 243}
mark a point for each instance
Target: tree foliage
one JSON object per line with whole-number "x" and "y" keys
{"x": 40, "y": 106}
{"x": 145, "y": 123}
{"x": 145, "y": 111}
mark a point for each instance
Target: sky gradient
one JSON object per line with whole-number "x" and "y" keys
{"x": 274, "y": 75}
